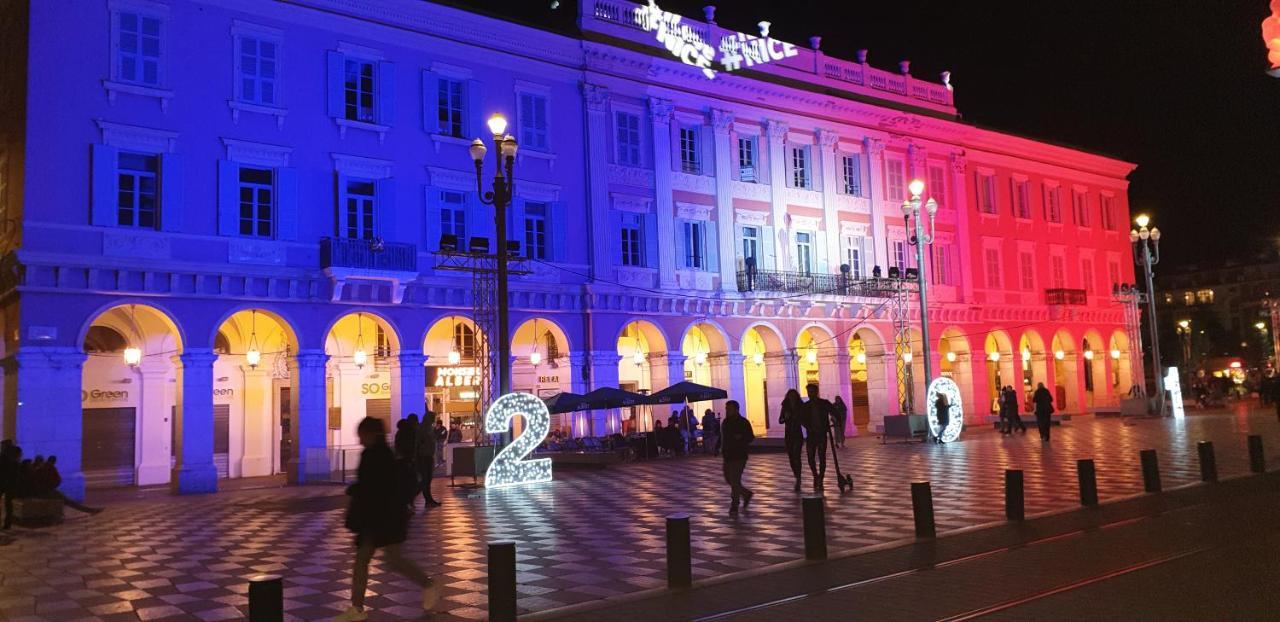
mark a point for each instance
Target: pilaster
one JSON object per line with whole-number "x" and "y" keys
{"x": 597, "y": 101}
{"x": 49, "y": 418}
{"x": 408, "y": 385}
{"x": 154, "y": 434}
{"x": 194, "y": 471}
{"x": 873, "y": 187}
{"x": 827, "y": 141}
{"x": 660, "y": 111}
{"x": 257, "y": 438}
{"x": 310, "y": 461}
{"x": 965, "y": 272}
{"x": 722, "y": 125}
{"x": 776, "y": 136}
{"x": 581, "y": 372}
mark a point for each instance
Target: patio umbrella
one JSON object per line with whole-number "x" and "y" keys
{"x": 610, "y": 397}
{"x": 687, "y": 392}
{"x": 565, "y": 402}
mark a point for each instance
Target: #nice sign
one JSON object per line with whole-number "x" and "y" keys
{"x": 509, "y": 467}
{"x": 684, "y": 42}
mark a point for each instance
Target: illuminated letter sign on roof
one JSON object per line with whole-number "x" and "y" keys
{"x": 684, "y": 42}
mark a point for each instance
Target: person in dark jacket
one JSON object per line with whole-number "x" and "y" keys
{"x": 737, "y": 437}
{"x": 943, "y": 407}
{"x": 10, "y": 465}
{"x": 424, "y": 459}
{"x": 817, "y": 427}
{"x": 792, "y": 419}
{"x": 380, "y": 520}
{"x": 1015, "y": 412}
{"x": 45, "y": 483}
{"x": 710, "y": 433}
{"x": 1044, "y": 408}
{"x": 839, "y": 414}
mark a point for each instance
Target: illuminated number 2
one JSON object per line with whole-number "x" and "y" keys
{"x": 509, "y": 467}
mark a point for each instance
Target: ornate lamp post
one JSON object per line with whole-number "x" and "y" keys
{"x": 920, "y": 238}
{"x": 500, "y": 198}
{"x": 1146, "y": 253}
{"x": 1184, "y": 332}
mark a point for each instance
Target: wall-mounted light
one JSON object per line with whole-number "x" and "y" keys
{"x": 132, "y": 356}
{"x": 951, "y": 357}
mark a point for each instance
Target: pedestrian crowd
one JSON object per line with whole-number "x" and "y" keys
{"x": 1041, "y": 399}
{"x": 31, "y": 478}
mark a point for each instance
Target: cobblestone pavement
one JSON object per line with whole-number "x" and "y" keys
{"x": 589, "y": 534}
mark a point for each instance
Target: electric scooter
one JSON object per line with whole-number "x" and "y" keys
{"x": 842, "y": 481}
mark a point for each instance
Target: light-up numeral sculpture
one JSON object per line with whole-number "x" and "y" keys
{"x": 1173, "y": 384}
{"x": 948, "y": 387}
{"x": 509, "y": 467}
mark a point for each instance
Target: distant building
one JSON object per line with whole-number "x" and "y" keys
{"x": 1227, "y": 309}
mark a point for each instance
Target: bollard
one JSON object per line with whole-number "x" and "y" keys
{"x": 502, "y": 581}
{"x": 1088, "y": 482}
{"x": 266, "y": 598}
{"x": 815, "y": 527}
{"x": 922, "y": 507}
{"x": 1257, "y": 461}
{"x": 1014, "y": 500}
{"x": 1208, "y": 464}
{"x": 1150, "y": 470}
{"x": 679, "y": 552}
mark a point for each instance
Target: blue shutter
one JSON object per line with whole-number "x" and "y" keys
{"x": 681, "y": 248}
{"x": 102, "y": 205}
{"x": 336, "y": 70}
{"x": 475, "y": 111}
{"x": 651, "y": 240}
{"x": 515, "y": 225}
{"x": 386, "y": 93}
{"x": 430, "y": 109}
{"x": 384, "y": 207}
{"x": 228, "y": 198}
{"x": 557, "y": 227}
{"x": 171, "y": 205}
{"x": 822, "y": 265}
{"x": 613, "y": 242}
{"x": 433, "y": 219}
{"x": 768, "y": 248}
{"x": 286, "y": 204}
{"x": 712, "y": 243}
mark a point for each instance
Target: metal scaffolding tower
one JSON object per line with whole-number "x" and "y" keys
{"x": 898, "y": 294}
{"x": 1130, "y": 298}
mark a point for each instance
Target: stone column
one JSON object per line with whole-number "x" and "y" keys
{"x": 776, "y": 134}
{"x": 349, "y": 400}
{"x": 258, "y": 422}
{"x": 577, "y": 378}
{"x": 840, "y": 363}
{"x": 873, "y": 151}
{"x": 978, "y": 397}
{"x": 791, "y": 370}
{"x": 408, "y": 385}
{"x": 194, "y": 471}
{"x": 964, "y": 270}
{"x": 604, "y": 373}
{"x": 598, "y": 133}
{"x": 776, "y": 384}
{"x": 664, "y": 204}
{"x": 727, "y": 374}
{"x": 882, "y": 388}
{"x": 310, "y": 461}
{"x": 827, "y": 141}
{"x": 722, "y": 124}
{"x": 154, "y": 434}
{"x": 675, "y": 369}
{"x": 49, "y": 418}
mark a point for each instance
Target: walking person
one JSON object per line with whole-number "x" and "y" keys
{"x": 1010, "y": 401}
{"x": 378, "y": 517}
{"x": 792, "y": 419}
{"x": 943, "y": 407}
{"x": 424, "y": 459}
{"x": 817, "y": 426}
{"x": 1044, "y": 408}
{"x": 737, "y": 436}
{"x": 839, "y": 413}
{"x": 442, "y": 434}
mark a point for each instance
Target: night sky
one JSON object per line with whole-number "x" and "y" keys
{"x": 1176, "y": 86}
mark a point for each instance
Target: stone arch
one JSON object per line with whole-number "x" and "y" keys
{"x": 364, "y": 357}
{"x": 1121, "y": 359}
{"x": 1093, "y": 369}
{"x": 955, "y": 361}
{"x": 1032, "y": 361}
{"x": 1067, "y": 374}
{"x": 541, "y": 349}
{"x": 998, "y": 350}
{"x": 763, "y": 372}
{"x": 869, "y": 378}
{"x": 643, "y": 367}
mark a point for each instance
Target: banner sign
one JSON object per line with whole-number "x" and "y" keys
{"x": 686, "y": 44}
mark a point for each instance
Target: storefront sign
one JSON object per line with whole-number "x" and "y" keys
{"x": 548, "y": 379}
{"x": 100, "y": 395}
{"x": 684, "y": 42}
{"x": 509, "y": 467}
{"x": 456, "y": 377}
{"x": 955, "y": 421}
{"x": 374, "y": 388}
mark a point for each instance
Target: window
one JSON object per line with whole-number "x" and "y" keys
{"x": 690, "y": 157}
{"x": 854, "y": 249}
{"x": 453, "y": 216}
{"x": 257, "y": 63}
{"x": 632, "y": 240}
{"x": 1053, "y": 204}
{"x": 897, "y": 182}
{"x": 993, "y": 268}
{"x": 137, "y": 177}
{"x": 1026, "y": 269}
{"x": 381, "y": 342}
{"x": 695, "y": 244}
{"x": 900, "y": 256}
{"x": 1086, "y": 274}
{"x": 800, "y": 177}
{"x": 1059, "y": 272}
{"x": 941, "y": 264}
{"x": 628, "y": 126}
{"x": 1080, "y": 204}
{"x": 358, "y": 80}
{"x": 535, "y": 230}
{"x": 1204, "y": 296}
{"x": 450, "y": 104}
{"x": 358, "y": 199}
{"x": 257, "y": 200}
{"x": 751, "y": 246}
{"x": 1113, "y": 269}
{"x": 1022, "y": 199}
{"x": 464, "y": 341}
{"x": 1188, "y": 298}
{"x": 138, "y": 48}
{"x": 937, "y": 184}
{"x": 804, "y": 252}
{"x": 851, "y": 175}
{"x": 533, "y": 121}
{"x": 747, "y": 158}
{"x": 986, "y": 193}
{"x": 1108, "y": 217}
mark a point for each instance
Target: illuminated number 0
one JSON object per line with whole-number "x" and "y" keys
{"x": 955, "y": 421}
{"x": 509, "y": 467}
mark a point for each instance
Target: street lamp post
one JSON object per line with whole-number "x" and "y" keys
{"x": 1146, "y": 253}
{"x": 920, "y": 238}
{"x": 500, "y": 198}
{"x": 1184, "y": 331}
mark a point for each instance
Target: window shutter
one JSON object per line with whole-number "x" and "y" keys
{"x": 768, "y": 249}
{"x": 820, "y": 249}
{"x": 712, "y": 241}
{"x": 651, "y": 240}
{"x": 681, "y": 248}
{"x": 171, "y": 206}
{"x": 384, "y": 206}
{"x": 102, "y": 205}
{"x": 228, "y": 198}
{"x": 515, "y": 225}
{"x": 433, "y": 219}
{"x": 613, "y": 242}
{"x": 286, "y": 204}
{"x": 475, "y": 111}
{"x": 739, "y": 259}
{"x": 556, "y": 229}
{"x": 788, "y": 166}
{"x": 430, "y": 109}
{"x": 386, "y": 93}
{"x": 336, "y": 69}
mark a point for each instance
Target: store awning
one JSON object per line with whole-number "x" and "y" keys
{"x": 687, "y": 392}
{"x": 610, "y": 397}
{"x": 565, "y": 402}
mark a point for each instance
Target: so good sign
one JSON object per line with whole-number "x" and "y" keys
{"x": 686, "y": 44}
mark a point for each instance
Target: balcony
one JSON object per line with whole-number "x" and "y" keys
{"x": 1066, "y": 297}
{"x": 346, "y": 259}
{"x": 774, "y": 281}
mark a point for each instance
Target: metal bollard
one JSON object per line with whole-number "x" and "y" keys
{"x": 679, "y": 552}
{"x": 1257, "y": 460}
{"x": 922, "y": 508}
{"x": 266, "y": 598}
{"x": 1208, "y": 464}
{"x": 502, "y": 581}
{"x": 1150, "y": 470}
{"x": 815, "y": 527}
{"x": 1088, "y": 476}
{"x": 1014, "y": 499}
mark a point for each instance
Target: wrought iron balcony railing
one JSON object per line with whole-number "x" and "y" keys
{"x": 1068, "y": 297}
{"x": 774, "y": 281}
{"x": 368, "y": 255}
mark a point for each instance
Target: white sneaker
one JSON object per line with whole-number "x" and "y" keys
{"x": 351, "y": 615}
{"x": 430, "y": 595}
